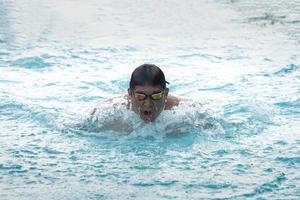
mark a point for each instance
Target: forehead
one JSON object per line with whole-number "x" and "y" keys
{"x": 148, "y": 88}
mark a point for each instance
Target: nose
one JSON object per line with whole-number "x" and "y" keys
{"x": 147, "y": 102}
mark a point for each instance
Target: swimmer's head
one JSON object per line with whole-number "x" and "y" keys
{"x": 147, "y": 74}
{"x": 147, "y": 91}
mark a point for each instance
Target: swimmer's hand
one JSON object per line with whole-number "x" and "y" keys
{"x": 106, "y": 116}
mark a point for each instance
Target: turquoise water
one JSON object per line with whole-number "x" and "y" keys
{"x": 239, "y": 59}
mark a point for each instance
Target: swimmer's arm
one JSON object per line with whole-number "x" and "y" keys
{"x": 171, "y": 102}
{"x": 115, "y": 125}
{"x": 111, "y": 101}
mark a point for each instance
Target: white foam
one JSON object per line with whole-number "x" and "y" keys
{"x": 188, "y": 117}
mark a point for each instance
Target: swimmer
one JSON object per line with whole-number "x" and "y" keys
{"x": 148, "y": 94}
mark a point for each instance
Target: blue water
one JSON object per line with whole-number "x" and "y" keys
{"x": 239, "y": 59}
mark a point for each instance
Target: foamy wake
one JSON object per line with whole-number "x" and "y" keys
{"x": 188, "y": 116}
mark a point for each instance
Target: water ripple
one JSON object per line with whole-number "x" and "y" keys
{"x": 221, "y": 88}
{"x": 51, "y": 151}
{"x": 155, "y": 183}
{"x": 31, "y": 63}
{"x": 289, "y": 160}
{"x": 212, "y": 58}
{"x": 58, "y": 58}
{"x": 287, "y": 70}
{"x": 268, "y": 18}
{"x": 268, "y": 186}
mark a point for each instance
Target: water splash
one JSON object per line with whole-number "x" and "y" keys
{"x": 188, "y": 117}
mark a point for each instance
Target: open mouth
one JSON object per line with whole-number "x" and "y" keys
{"x": 147, "y": 113}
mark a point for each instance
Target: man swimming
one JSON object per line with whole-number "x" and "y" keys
{"x": 148, "y": 95}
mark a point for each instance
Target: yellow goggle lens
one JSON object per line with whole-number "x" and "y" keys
{"x": 141, "y": 96}
{"x": 156, "y": 96}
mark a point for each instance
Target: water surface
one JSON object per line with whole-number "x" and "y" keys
{"x": 239, "y": 59}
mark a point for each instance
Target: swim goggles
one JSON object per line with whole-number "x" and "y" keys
{"x": 142, "y": 96}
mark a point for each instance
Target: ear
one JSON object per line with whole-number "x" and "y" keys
{"x": 166, "y": 92}
{"x": 129, "y": 92}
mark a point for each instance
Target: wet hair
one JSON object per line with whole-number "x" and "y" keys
{"x": 147, "y": 74}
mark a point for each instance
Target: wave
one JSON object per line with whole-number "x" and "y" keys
{"x": 267, "y": 187}
{"x": 23, "y": 112}
{"x": 268, "y": 19}
{"x": 293, "y": 104}
{"x": 287, "y": 70}
{"x": 210, "y": 57}
{"x": 36, "y": 62}
{"x": 289, "y": 107}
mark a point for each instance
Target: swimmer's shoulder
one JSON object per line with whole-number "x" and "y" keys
{"x": 173, "y": 101}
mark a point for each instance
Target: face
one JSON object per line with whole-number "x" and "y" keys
{"x": 148, "y": 101}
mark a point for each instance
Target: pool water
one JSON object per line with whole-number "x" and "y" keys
{"x": 238, "y": 61}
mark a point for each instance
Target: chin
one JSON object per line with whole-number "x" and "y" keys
{"x": 147, "y": 119}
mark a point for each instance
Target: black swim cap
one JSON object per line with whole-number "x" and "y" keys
{"x": 147, "y": 74}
